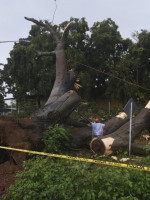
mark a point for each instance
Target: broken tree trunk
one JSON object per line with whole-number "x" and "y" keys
{"x": 62, "y": 100}
{"x": 120, "y": 138}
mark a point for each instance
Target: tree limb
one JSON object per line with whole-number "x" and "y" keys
{"x": 40, "y": 54}
{"x": 40, "y": 23}
{"x": 66, "y": 32}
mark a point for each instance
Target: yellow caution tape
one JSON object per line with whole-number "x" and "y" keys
{"x": 129, "y": 166}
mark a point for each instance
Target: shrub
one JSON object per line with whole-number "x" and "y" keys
{"x": 55, "y": 139}
{"x": 53, "y": 179}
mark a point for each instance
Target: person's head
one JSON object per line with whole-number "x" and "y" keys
{"x": 97, "y": 120}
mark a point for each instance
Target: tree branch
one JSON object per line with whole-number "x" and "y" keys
{"x": 66, "y": 32}
{"x": 40, "y": 54}
{"x": 40, "y": 23}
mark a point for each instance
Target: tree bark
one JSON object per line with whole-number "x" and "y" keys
{"x": 120, "y": 138}
{"x": 140, "y": 149}
{"x": 116, "y": 122}
{"x": 59, "y": 109}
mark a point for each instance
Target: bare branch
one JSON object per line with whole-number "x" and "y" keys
{"x": 1, "y": 64}
{"x": 66, "y": 32}
{"x": 40, "y": 23}
{"x": 40, "y": 54}
{"x": 45, "y": 53}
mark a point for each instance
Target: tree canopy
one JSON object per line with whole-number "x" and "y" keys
{"x": 101, "y": 47}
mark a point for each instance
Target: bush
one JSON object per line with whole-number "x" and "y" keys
{"x": 55, "y": 139}
{"x": 53, "y": 179}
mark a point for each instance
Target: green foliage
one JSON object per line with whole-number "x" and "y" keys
{"x": 135, "y": 66}
{"x": 145, "y": 132}
{"x": 55, "y": 139}
{"x": 27, "y": 108}
{"x": 106, "y": 37}
{"x": 49, "y": 178}
{"x": 92, "y": 110}
{"x": 100, "y": 47}
{"x": 26, "y": 76}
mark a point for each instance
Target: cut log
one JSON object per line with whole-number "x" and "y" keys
{"x": 120, "y": 138}
{"x": 140, "y": 149}
{"x": 116, "y": 122}
{"x": 97, "y": 147}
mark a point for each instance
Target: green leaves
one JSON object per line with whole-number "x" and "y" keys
{"x": 53, "y": 179}
{"x": 55, "y": 139}
{"x": 31, "y": 77}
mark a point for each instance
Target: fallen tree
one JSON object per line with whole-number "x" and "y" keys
{"x": 119, "y": 139}
{"x": 62, "y": 99}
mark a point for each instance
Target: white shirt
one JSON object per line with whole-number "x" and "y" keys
{"x": 97, "y": 129}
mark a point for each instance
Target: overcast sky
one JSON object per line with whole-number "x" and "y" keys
{"x": 129, "y": 15}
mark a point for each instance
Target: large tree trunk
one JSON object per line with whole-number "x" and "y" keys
{"x": 120, "y": 138}
{"x": 62, "y": 100}
{"x": 59, "y": 109}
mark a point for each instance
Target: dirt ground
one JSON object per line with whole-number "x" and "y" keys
{"x": 22, "y": 134}
{"x": 7, "y": 175}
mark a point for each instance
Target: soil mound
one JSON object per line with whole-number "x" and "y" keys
{"x": 16, "y": 133}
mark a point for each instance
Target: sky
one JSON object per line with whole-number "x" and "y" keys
{"x": 129, "y": 15}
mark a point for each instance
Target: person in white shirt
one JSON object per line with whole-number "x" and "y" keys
{"x": 97, "y": 128}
